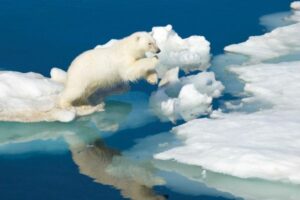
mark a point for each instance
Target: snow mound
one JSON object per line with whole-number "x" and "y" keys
{"x": 30, "y": 97}
{"x": 188, "y": 54}
{"x": 186, "y": 98}
{"x": 191, "y": 96}
{"x": 296, "y": 11}
{"x": 295, "y": 5}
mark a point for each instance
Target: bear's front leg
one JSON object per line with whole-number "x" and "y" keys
{"x": 152, "y": 77}
{"x": 141, "y": 68}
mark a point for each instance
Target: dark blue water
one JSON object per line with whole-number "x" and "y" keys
{"x": 39, "y": 34}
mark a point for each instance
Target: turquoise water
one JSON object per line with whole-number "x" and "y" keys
{"x": 50, "y": 160}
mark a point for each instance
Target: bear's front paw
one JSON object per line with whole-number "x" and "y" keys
{"x": 152, "y": 78}
{"x": 153, "y": 63}
{"x": 155, "y": 58}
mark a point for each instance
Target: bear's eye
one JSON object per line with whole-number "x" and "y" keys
{"x": 149, "y": 43}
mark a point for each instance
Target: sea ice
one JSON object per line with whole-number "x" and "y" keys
{"x": 188, "y": 54}
{"x": 295, "y": 5}
{"x": 204, "y": 182}
{"x": 279, "y": 42}
{"x": 186, "y": 98}
{"x": 190, "y": 96}
{"x": 30, "y": 97}
{"x": 263, "y": 143}
{"x": 122, "y": 112}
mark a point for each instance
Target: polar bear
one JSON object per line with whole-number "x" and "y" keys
{"x": 103, "y": 68}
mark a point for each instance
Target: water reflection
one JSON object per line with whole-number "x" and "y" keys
{"x": 98, "y": 161}
{"x": 94, "y": 160}
{"x": 103, "y": 164}
{"x": 215, "y": 184}
{"x": 134, "y": 171}
{"x": 101, "y": 124}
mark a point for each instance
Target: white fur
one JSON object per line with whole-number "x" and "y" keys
{"x": 103, "y": 68}
{"x": 58, "y": 75}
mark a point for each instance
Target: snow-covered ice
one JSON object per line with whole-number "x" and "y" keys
{"x": 190, "y": 96}
{"x": 272, "y": 21}
{"x": 263, "y": 143}
{"x": 279, "y": 42}
{"x": 186, "y": 98}
{"x": 295, "y": 5}
{"x": 194, "y": 180}
{"x": 188, "y": 54}
{"x": 122, "y": 112}
{"x": 30, "y": 97}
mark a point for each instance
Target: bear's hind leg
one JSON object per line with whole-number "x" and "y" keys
{"x": 72, "y": 96}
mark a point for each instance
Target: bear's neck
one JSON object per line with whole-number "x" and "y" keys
{"x": 139, "y": 55}
{"x": 131, "y": 50}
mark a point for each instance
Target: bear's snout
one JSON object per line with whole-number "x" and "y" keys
{"x": 158, "y": 50}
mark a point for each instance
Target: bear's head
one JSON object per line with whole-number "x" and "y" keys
{"x": 143, "y": 42}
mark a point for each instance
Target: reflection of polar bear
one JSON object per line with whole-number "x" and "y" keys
{"x": 94, "y": 159}
{"x": 103, "y": 68}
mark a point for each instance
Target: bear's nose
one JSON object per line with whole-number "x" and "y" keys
{"x": 158, "y": 51}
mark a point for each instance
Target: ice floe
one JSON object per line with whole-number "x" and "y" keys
{"x": 30, "y": 97}
{"x": 195, "y": 180}
{"x": 122, "y": 112}
{"x": 188, "y": 54}
{"x": 221, "y": 185}
{"x": 263, "y": 143}
{"x": 186, "y": 98}
{"x": 190, "y": 96}
{"x": 295, "y": 5}
{"x": 279, "y": 42}
{"x": 273, "y": 21}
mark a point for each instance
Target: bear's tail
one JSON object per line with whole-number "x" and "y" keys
{"x": 58, "y": 75}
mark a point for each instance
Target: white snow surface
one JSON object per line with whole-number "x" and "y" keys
{"x": 186, "y": 98}
{"x": 190, "y": 96}
{"x": 189, "y": 54}
{"x": 295, "y": 5}
{"x": 279, "y": 42}
{"x": 30, "y": 97}
{"x": 264, "y": 143}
